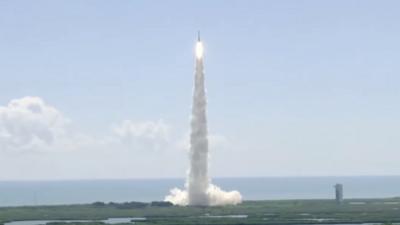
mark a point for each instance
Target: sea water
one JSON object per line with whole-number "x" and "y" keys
{"x": 18, "y": 193}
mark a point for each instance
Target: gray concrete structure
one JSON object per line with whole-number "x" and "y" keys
{"x": 339, "y": 193}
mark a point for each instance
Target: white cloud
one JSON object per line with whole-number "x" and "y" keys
{"x": 143, "y": 134}
{"x": 36, "y": 136}
{"x": 218, "y": 142}
{"x": 29, "y": 123}
{"x": 147, "y": 129}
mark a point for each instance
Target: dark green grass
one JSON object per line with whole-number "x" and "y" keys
{"x": 258, "y": 212}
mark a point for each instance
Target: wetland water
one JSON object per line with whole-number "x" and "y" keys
{"x": 109, "y": 221}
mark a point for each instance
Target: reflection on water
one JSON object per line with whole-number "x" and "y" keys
{"x": 41, "y": 222}
{"x": 107, "y": 221}
{"x": 122, "y": 220}
{"x": 225, "y": 216}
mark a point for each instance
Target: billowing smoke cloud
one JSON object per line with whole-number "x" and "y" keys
{"x": 199, "y": 189}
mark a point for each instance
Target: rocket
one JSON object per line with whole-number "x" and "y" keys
{"x": 199, "y": 47}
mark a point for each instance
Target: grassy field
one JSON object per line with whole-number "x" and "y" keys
{"x": 257, "y": 212}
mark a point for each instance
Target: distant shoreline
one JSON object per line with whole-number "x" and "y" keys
{"x": 19, "y": 193}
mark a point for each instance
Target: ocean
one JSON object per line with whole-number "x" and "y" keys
{"x": 19, "y": 193}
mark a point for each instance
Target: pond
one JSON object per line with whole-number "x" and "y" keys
{"x": 107, "y": 221}
{"x": 225, "y": 216}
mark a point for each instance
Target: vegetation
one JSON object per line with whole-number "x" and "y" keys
{"x": 128, "y": 205}
{"x": 161, "y": 204}
{"x": 247, "y": 213}
{"x": 132, "y": 205}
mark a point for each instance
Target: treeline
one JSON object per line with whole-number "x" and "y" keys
{"x": 133, "y": 205}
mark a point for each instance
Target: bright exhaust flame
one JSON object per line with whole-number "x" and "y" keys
{"x": 199, "y": 50}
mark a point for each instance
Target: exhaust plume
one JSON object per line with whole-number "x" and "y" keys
{"x": 199, "y": 191}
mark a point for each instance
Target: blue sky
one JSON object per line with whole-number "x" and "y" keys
{"x": 295, "y": 88}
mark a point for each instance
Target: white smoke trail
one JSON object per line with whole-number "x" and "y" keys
{"x": 199, "y": 190}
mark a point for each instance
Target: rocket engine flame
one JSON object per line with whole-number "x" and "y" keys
{"x": 199, "y": 50}
{"x": 199, "y": 189}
